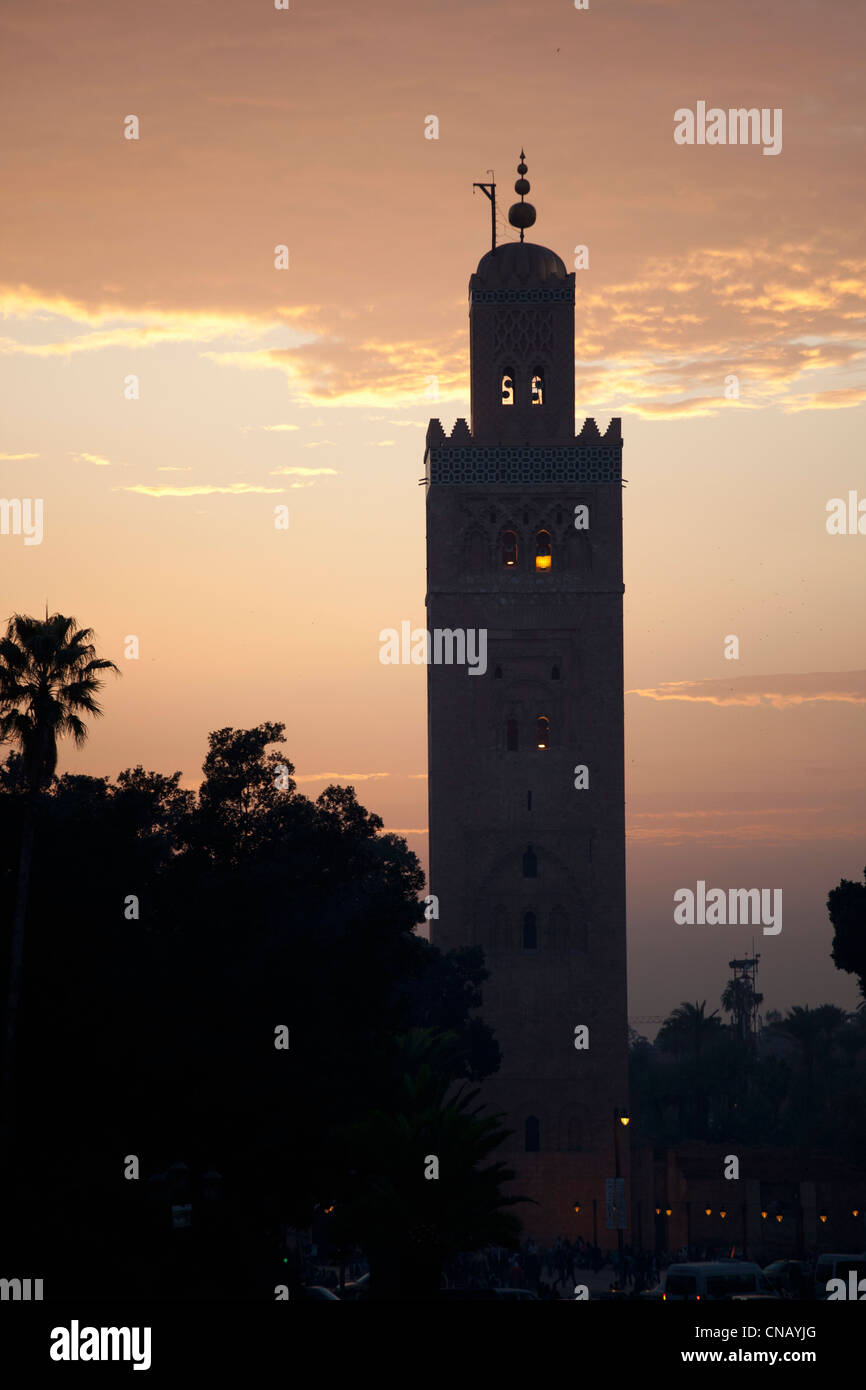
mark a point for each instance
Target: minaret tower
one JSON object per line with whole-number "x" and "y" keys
{"x": 526, "y": 764}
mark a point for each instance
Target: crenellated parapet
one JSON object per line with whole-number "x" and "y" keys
{"x": 592, "y": 457}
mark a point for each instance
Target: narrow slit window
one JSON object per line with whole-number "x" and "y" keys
{"x": 542, "y": 732}
{"x": 509, "y": 549}
{"x": 506, "y": 388}
{"x": 530, "y": 932}
{"x": 537, "y": 396}
{"x": 543, "y": 551}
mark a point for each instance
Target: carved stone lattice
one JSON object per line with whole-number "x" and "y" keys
{"x": 523, "y": 333}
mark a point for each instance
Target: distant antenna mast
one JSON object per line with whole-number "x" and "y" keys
{"x": 489, "y": 191}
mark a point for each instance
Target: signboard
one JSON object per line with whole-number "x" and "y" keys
{"x": 615, "y": 1213}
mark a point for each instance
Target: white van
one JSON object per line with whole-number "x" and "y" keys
{"x": 714, "y": 1280}
{"x": 837, "y": 1267}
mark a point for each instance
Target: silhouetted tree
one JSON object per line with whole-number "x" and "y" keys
{"x": 847, "y": 908}
{"x": 49, "y": 678}
{"x": 410, "y": 1221}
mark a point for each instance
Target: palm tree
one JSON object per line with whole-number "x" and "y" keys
{"x": 411, "y": 1226}
{"x": 816, "y": 1032}
{"x": 48, "y": 680}
{"x": 687, "y": 1028}
{"x": 742, "y": 1000}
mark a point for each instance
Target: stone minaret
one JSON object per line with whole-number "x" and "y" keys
{"x": 524, "y": 540}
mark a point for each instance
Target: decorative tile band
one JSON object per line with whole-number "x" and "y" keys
{"x": 524, "y": 464}
{"x": 522, "y": 296}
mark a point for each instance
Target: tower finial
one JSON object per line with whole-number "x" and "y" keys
{"x": 521, "y": 214}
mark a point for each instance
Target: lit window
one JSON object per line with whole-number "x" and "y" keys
{"x": 542, "y": 732}
{"x": 509, "y": 549}
{"x": 543, "y": 552}
{"x": 537, "y": 387}
{"x": 507, "y": 388}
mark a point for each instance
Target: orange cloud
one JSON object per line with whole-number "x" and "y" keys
{"x": 95, "y": 459}
{"x": 198, "y": 489}
{"x": 775, "y": 692}
{"x": 308, "y": 472}
{"x": 341, "y": 777}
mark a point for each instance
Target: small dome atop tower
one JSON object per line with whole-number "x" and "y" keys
{"x": 519, "y": 265}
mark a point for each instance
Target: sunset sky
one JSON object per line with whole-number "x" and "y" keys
{"x": 311, "y": 387}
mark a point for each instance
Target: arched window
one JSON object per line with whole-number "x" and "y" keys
{"x": 543, "y": 551}
{"x": 530, "y": 863}
{"x": 506, "y": 387}
{"x": 530, "y": 932}
{"x": 554, "y": 673}
{"x": 542, "y": 732}
{"x": 537, "y": 396}
{"x": 512, "y": 739}
{"x": 532, "y": 1135}
{"x": 509, "y": 549}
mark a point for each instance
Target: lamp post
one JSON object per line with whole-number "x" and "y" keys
{"x": 619, "y": 1118}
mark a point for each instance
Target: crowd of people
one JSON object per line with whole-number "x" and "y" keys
{"x": 554, "y": 1271}
{"x": 550, "y": 1272}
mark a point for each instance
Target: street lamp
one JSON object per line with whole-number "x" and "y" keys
{"x": 619, "y": 1118}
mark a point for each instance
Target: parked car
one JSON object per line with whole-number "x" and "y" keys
{"x": 358, "y": 1288}
{"x": 792, "y": 1278}
{"x": 468, "y": 1295}
{"x": 714, "y": 1281}
{"x": 837, "y": 1267}
{"x": 317, "y": 1292}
